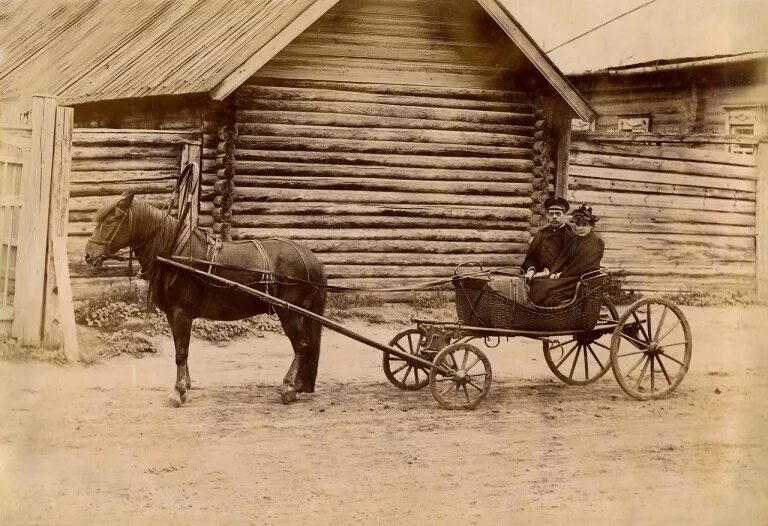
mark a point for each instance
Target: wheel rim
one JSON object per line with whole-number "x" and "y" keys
{"x": 465, "y": 379}
{"x": 402, "y": 374}
{"x": 651, "y": 349}
{"x": 584, "y": 358}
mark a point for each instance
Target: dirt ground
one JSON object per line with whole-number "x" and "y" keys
{"x": 99, "y": 445}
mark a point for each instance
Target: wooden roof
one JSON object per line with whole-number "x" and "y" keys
{"x": 90, "y": 50}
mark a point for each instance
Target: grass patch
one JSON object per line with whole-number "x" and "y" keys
{"x": 691, "y": 298}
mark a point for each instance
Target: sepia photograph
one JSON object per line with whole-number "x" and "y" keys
{"x": 383, "y": 262}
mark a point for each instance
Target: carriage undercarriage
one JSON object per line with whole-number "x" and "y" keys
{"x": 648, "y": 348}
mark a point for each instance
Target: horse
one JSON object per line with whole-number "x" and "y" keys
{"x": 289, "y": 271}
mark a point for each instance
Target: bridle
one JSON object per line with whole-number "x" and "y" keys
{"x": 108, "y": 254}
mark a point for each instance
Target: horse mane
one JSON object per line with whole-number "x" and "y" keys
{"x": 104, "y": 211}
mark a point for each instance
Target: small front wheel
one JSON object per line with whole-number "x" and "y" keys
{"x": 402, "y": 374}
{"x": 460, "y": 377}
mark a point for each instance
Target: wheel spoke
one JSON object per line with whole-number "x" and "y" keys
{"x": 442, "y": 393}
{"x": 464, "y": 361}
{"x": 642, "y": 375}
{"x": 401, "y": 348}
{"x": 675, "y": 344}
{"x": 466, "y": 393}
{"x": 400, "y": 368}
{"x": 601, "y": 345}
{"x": 476, "y": 387}
{"x": 407, "y": 372}
{"x": 410, "y": 343}
{"x": 575, "y": 361}
{"x": 668, "y": 331}
{"x": 558, "y": 344}
{"x": 665, "y": 355}
{"x": 444, "y": 379}
{"x": 632, "y": 340}
{"x": 416, "y": 374}
{"x": 595, "y": 356}
{"x": 455, "y": 363}
{"x": 640, "y": 326}
{"x": 648, "y": 320}
{"x": 473, "y": 364}
{"x": 653, "y": 362}
{"x": 635, "y": 366}
{"x": 629, "y": 354}
{"x": 661, "y": 323}
{"x": 663, "y": 369}
{"x": 586, "y": 363}
{"x": 564, "y": 358}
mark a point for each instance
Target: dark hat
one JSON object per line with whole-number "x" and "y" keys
{"x": 585, "y": 212}
{"x": 557, "y": 203}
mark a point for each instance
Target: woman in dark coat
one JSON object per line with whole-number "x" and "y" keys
{"x": 582, "y": 254}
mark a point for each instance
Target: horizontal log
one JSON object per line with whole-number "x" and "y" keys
{"x": 111, "y": 165}
{"x": 256, "y": 142}
{"x": 247, "y": 92}
{"x": 386, "y": 134}
{"x": 608, "y": 185}
{"x": 506, "y": 213}
{"x": 397, "y": 246}
{"x": 292, "y": 221}
{"x": 126, "y": 152}
{"x": 689, "y": 271}
{"x": 622, "y": 174}
{"x": 671, "y": 215}
{"x": 663, "y": 165}
{"x": 375, "y": 197}
{"x": 149, "y": 187}
{"x": 386, "y": 258}
{"x": 127, "y": 137}
{"x": 685, "y": 138}
{"x": 368, "y": 121}
{"x": 309, "y": 233}
{"x": 124, "y": 176}
{"x": 255, "y": 107}
{"x": 378, "y": 159}
{"x": 668, "y": 201}
{"x": 673, "y": 241}
{"x": 89, "y": 205}
{"x": 273, "y": 169}
{"x": 389, "y": 271}
{"x": 395, "y": 89}
{"x": 683, "y": 153}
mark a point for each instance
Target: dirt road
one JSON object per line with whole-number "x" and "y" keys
{"x": 98, "y": 445}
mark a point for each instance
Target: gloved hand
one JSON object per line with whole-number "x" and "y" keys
{"x": 554, "y": 276}
{"x": 543, "y": 274}
{"x": 529, "y": 274}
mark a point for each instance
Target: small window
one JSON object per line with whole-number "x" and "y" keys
{"x": 742, "y": 121}
{"x": 581, "y": 125}
{"x": 634, "y": 124}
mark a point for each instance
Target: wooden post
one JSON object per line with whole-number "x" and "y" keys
{"x": 33, "y": 224}
{"x": 56, "y": 311}
{"x": 191, "y": 153}
{"x": 562, "y": 131}
{"x": 761, "y": 221}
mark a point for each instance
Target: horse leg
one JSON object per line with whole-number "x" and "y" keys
{"x": 292, "y": 326}
{"x": 181, "y": 327}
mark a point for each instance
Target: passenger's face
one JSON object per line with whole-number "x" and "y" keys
{"x": 556, "y": 217}
{"x": 582, "y": 228}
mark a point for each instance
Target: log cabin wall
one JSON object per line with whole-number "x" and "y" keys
{"x": 688, "y": 100}
{"x": 132, "y": 145}
{"x": 395, "y": 138}
{"x": 674, "y": 216}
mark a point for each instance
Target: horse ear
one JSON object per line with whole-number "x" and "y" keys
{"x": 125, "y": 201}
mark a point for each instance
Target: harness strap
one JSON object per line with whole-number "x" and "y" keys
{"x": 301, "y": 255}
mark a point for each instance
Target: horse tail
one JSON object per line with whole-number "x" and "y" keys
{"x": 313, "y": 331}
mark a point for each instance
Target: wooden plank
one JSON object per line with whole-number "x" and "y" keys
{"x": 84, "y": 137}
{"x": 330, "y": 222}
{"x": 761, "y": 219}
{"x": 270, "y": 49}
{"x": 663, "y": 165}
{"x": 607, "y": 185}
{"x": 665, "y": 201}
{"x": 533, "y": 52}
{"x": 562, "y": 131}
{"x": 373, "y": 258}
{"x": 671, "y": 215}
{"x": 640, "y": 176}
{"x": 684, "y": 138}
{"x": 81, "y": 153}
{"x": 66, "y": 305}
{"x": 109, "y": 165}
{"x": 31, "y": 262}
{"x": 54, "y": 318}
{"x": 686, "y": 153}
{"x": 423, "y": 234}
{"x": 124, "y": 176}
{"x": 191, "y": 154}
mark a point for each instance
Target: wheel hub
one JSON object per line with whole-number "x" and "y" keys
{"x": 461, "y": 377}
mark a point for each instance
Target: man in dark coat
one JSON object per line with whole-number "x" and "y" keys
{"x": 582, "y": 254}
{"x": 549, "y": 242}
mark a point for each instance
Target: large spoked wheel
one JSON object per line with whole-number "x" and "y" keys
{"x": 651, "y": 348}
{"x": 405, "y": 375}
{"x": 581, "y": 359}
{"x": 460, "y": 377}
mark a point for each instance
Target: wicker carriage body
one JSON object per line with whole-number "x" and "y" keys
{"x": 481, "y": 305}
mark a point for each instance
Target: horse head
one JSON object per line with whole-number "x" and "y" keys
{"x": 113, "y": 230}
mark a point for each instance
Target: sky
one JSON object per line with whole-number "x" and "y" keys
{"x": 662, "y": 29}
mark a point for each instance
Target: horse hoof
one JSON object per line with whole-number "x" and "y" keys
{"x": 175, "y": 399}
{"x": 287, "y": 396}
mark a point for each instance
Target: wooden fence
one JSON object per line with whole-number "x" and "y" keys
{"x": 678, "y": 212}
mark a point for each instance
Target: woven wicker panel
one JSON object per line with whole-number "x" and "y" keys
{"x": 479, "y": 305}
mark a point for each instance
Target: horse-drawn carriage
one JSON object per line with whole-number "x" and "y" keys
{"x": 648, "y": 346}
